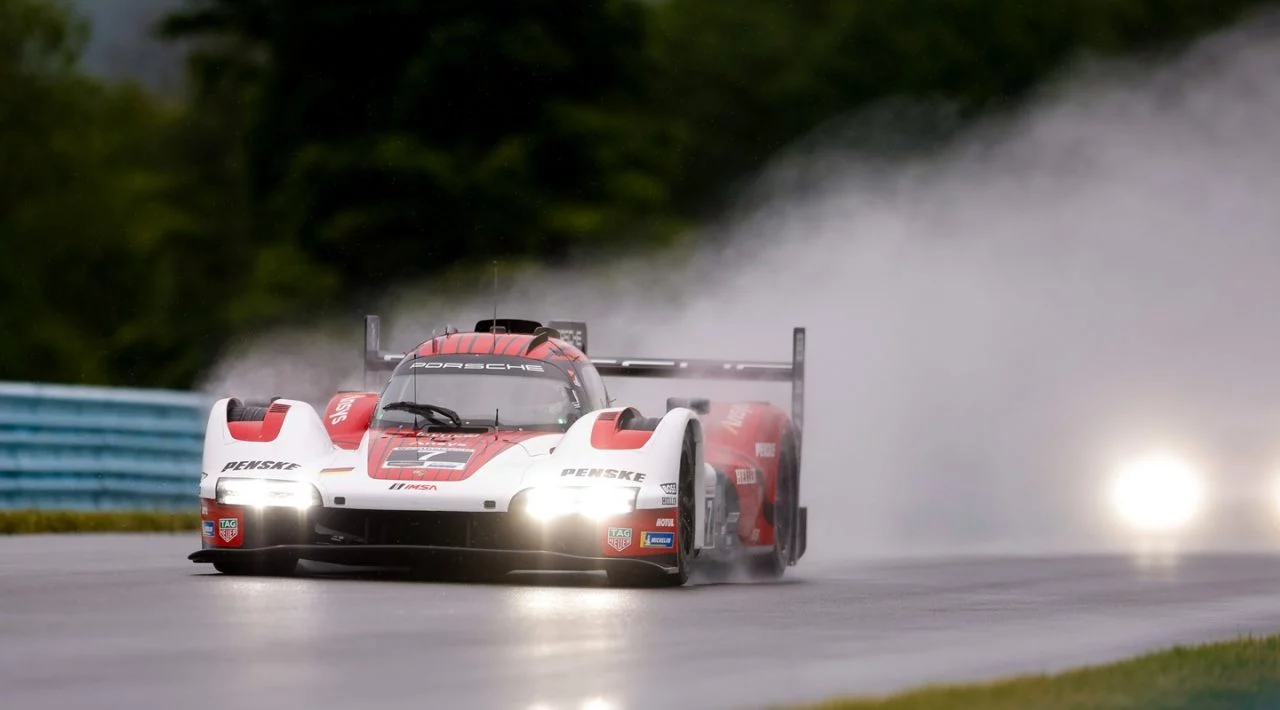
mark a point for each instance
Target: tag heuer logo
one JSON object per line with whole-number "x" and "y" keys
{"x": 228, "y": 528}
{"x": 619, "y": 538}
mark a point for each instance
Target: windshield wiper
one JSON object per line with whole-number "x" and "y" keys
{"x": 434, "y": 413}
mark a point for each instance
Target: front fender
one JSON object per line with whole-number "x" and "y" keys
{"x": 300, "y": 441}
{"x": 596, "y": 450}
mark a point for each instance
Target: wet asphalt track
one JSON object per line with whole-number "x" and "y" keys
{"x": 127, "y": 622}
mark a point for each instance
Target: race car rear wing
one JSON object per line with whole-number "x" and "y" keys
{"x": 575, "y": 332}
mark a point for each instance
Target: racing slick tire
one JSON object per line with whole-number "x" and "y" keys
{"x": 273, "y": 567}
{"x": 773, "y": 565}
{"x": 238, "y": 411}
{"x": 641, "y": 577}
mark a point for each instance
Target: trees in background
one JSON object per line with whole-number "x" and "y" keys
{"x": 328, "y": 147}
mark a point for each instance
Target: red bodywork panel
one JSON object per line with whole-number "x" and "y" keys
{"x": 512, "y": 344}
{"x": 226, "y": 523}
{"x": 744, "y": 439}
{"x": 266, "y": 430}
{"x": 347, "y": 417}
{"x": 625, "y": 535}
{"x": 606, "y": 434}
{"x": 436, "y": 456}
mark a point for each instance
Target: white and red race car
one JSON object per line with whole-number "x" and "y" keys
{"x": 500, "y": 450}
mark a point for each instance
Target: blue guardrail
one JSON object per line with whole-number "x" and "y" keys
{"x": 100, "y": 448}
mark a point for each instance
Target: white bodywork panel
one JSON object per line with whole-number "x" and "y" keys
{"x": 303, "y": 451}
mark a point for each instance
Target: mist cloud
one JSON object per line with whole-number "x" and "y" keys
{"x": 990, "y": 328}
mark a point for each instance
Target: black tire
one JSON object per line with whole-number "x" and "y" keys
{"x": 238, "y": 411}
{"x": 273, "y": 567}
{"x": 785, "y": 512}
{"x": 686, "y": 519}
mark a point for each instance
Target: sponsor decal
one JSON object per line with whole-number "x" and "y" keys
{"x": 207, "y": 528}
{"x": 485, "y": 366}
{"x": 669, "y": 501}
{"x": 609, "y": 473}
{"x": 335, "y": 471}
{"x": 736, "y": 416}
{"x": 448, "y": 441}
{"x": 228, "y": 528}
{"x": 412, "y": 487}
{"x": 260, "y": 466}
{"x": 766, "y": 449}
{"x": 428, "y": 457}
{"x": 657, "y": 539}
{"x": 755, "y": 535}
{"x": 344, "y": 407}
{"x": 745, "y": 476}
{"x": 619, "y": 538}
{"x": 669, "y": 488}
{"x": 666, "y": 522}
{"x": 204, "y": 509}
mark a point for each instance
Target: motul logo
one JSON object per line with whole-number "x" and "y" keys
{"x": 412, "y": 487}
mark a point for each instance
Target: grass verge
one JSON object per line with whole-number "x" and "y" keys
{"x": 1235, "y": 675}
{"x": 73, "y": 521}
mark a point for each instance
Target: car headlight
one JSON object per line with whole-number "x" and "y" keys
{"x": 264, "y": 492}
{"x": 594, "y": 502}
{"x": 1157, "y": 493}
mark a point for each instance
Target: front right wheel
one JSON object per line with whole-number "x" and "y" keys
{"x": 685, "y": 528}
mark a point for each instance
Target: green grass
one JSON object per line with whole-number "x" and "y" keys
{"x": 1236, "y": 675}
{"x": 70, "y": 521}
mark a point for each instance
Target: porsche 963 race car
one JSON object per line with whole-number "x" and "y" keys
{"x": 501, "y": 449}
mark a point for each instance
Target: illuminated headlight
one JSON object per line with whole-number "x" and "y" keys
{"x": 595, "y": 502}
{"x": 264, "y": 492}
{"x": 1157, "y": 493}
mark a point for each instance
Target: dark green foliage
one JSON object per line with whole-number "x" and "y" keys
{"x": 328, "y": 149}
{"x": 1240, "y": 674}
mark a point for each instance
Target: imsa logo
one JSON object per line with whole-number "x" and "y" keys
{"x": 412, "y": 487}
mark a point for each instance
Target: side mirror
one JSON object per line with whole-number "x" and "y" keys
{"x": 701, "y": 405}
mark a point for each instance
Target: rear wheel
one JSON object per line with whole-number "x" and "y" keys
{"x": 685, "y": 528}
{"x": 774, "y": 564}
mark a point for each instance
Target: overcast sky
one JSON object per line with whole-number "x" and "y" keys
{"x": 122, "y": 46}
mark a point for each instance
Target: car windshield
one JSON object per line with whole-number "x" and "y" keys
{"x": 516, "y": 400}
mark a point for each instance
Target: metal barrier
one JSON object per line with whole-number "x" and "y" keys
{"x": 82, "y": 448}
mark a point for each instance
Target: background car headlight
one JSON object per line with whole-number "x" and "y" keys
{"x": 264, "y": 492}
{"x": 590, "y": 501}
{"x": 1157, "y": 493}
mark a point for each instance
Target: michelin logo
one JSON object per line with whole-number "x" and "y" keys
{"x": 658, "y": 539}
